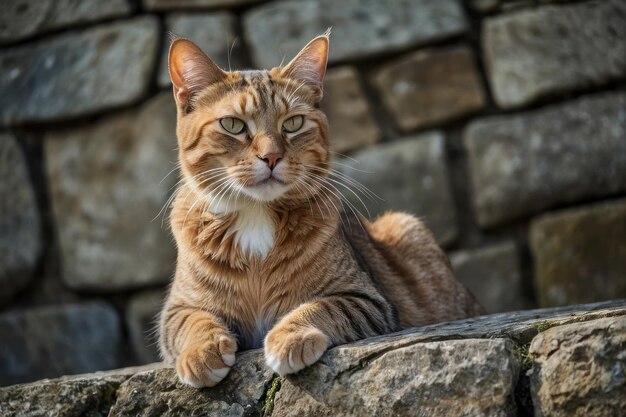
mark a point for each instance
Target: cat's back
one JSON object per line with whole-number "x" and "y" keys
{"x": 401, "y": 253}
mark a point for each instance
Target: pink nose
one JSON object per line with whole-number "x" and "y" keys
{"x": 271, "y": 159}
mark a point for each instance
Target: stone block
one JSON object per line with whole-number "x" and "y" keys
{"x": 78, "y": 73}
{"x": 57, "y": 340}
{"x": 407, "y": 175}
{"x": 554, "y": 49}
{"x": 108, "y": 184}
{"x": 20, "y": 228}
{"x": 430, "y": 87}
{"x": 578, "y": 369}
{"x": 352, "y": 125}
{"x": 20, "y": 19}
{"x": 361, "y": 28}
{"x": 159, "y": 393}
{"x": 158, "y": 5}
{"x": 493, "y": 275}
{"x": 525, "y": 163}
{"x": 450, "y": 378}
{"x": 580, "y": 254}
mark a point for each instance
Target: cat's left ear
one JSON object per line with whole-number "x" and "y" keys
{"x": 309, "y": 66}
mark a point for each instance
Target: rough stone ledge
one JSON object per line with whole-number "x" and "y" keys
{"x": 468, "y": 367}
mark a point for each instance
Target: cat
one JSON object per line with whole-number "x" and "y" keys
{"x": 266, "y": 258}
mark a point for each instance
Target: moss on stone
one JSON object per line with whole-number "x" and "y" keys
{"x": 267, "y": 406}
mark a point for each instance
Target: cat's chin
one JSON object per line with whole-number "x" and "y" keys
{"x": 268, "y": 190}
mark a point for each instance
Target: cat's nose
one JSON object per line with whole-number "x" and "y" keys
{"x": 271, "y": 159}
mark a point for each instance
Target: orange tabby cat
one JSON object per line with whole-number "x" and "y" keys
{"x": 264, "y": 256}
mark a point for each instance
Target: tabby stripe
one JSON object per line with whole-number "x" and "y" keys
{"x": 374, "y": 324}
{"x": 355, "y": 324}
{"x": 192, "y": 144}
{"x": 392, "y": 316}
{"x": 343, "y": 320}
{"x": 178, "y": 328}
{"x": 357, "y": 294}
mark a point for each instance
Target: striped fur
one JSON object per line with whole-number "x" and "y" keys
{"x": 274, "y": 265}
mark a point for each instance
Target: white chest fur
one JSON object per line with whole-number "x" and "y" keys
{"x": 255, "y": 230}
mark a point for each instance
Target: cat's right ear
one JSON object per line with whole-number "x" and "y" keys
{"x": 191, "y": 71}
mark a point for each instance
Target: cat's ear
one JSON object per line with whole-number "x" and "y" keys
{"x": 309, "y": 66}
{"x": 191, "y": 71}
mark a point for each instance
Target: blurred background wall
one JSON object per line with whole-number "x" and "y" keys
{"x": 501, "y": 123}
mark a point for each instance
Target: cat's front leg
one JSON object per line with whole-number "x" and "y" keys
{"x": 300, "y": 338}
{"x": 198, "y": 344}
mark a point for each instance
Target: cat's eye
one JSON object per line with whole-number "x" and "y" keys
{"x": 293, "y": 124}
{"x": 233, "y": 125}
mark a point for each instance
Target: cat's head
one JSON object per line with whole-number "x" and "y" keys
{"x": 251, "y": 135}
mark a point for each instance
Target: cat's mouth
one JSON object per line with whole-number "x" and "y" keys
{"x": 271, "y": 180}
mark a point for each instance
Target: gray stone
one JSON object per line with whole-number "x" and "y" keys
{"x": 553, "y": 49}
{"x": 450, "y": 378}
{"x": 520, "y": 326}
{"x": 409, "y": 175}
{"x": 158, "y": 393}
{"x": 430, "y": 87}
{"x": 493, "y": 275}
{"x": 108, "y": 182}
{"x": 21, "y": 19}
{"x": 361, "y": 28}
{"x": 78, "y": 73}
{"x": 142, "y": 318}
{"x": 20, "y": 234}
{"x": 579, "y": 370}
{"x": 580, "y": 254}
{"x": 56, "y": 340}
{"x": 349, "y": 115}
{"x": 484, "y": 6}
{"x": 78, "y": 395}
{"x": 467, "y": 367}
{"x": 214, "y": 33}
{"x": 194, "y": 4}
{"x": 525, "y": 163}
{"x": 88, "y": 396}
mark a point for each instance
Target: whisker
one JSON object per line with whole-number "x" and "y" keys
{"x": 341, "y": 176}
{"x": 344, "y": 156}
{"x": 353, "y": 168}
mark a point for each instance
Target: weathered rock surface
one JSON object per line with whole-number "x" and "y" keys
{"x": 213, "y": 32}
{"x": 142, "y": 320}
{"x": 361, "y": 28}
{"x": 56, "y": 340}
{"x": 193, "y": 4}
{"x": 493, "y": 275}
{"x": 158, "y": 392}
{"x": 83, "y": 396}
{"x": 410, "y": 175}
{"x": 525, "y": 163}
{"x": 403, "y": 380}
{"x": 107, "y": 185}
{"x": 467, "y": 367}
{"x": 580, "y": 254}
{"x": 579, "y": 370}
{"x": 352, "y": 125}
{"x": 21, "y": 19}
{"x": 20, "y": 234}
{"x": 77, "y": 73}
{"x": 430, "y": 87}
{"x": 552, "y": 49}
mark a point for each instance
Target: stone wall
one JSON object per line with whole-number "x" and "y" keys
{"x": 561, "y": 362}
{"x": 501, "y": 123}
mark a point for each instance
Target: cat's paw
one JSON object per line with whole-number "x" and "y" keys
{"x": 288, "y": 351}
{"x": 205, "y": 364}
